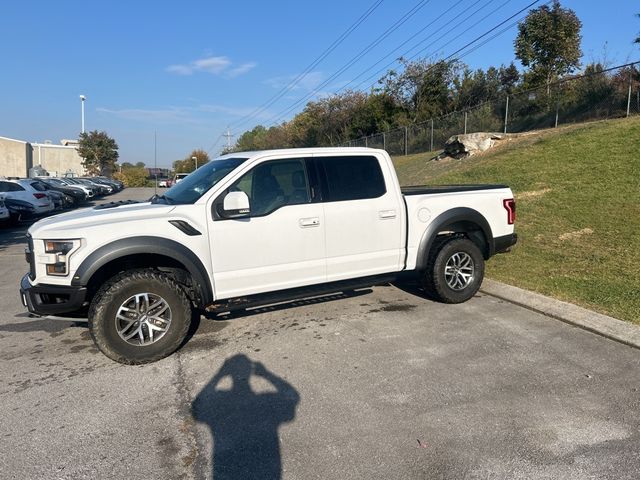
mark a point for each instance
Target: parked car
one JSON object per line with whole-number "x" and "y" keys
{"x": 78, "y": 195}
{"x": 4, "y": 211}
{"x": 70, "y": 182}
{"x": 162, "y": 183}
{"x": 258, "y": 228}
{"x": 24, "y": 190}
{"x": 116, "y": 184}
{"x": 105, "y": 186}
{"x": 19, "y": 210}
{"x": 100, "y": 190}
{"x": 58, "y": 200}
{"x": 179, "y": 177}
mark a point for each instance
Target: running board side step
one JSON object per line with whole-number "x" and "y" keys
{"x": 264, "y": 299}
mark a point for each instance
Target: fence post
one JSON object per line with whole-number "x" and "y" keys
{"x": 506, "y": 115}
{"x": 557, "y": 110}
{"x": 366, "y": 142}
{"x": 406, "y": 141}
{"x": 431, "y": 150}
{"x": 384, "y": 141}
{"x": 465, "y": 122}
{"x": 629, "y": 97}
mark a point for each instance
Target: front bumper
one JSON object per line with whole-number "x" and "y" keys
{"x": 51, "y": 299}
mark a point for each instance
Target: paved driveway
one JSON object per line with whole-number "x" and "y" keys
{"x": 380, "y": 384}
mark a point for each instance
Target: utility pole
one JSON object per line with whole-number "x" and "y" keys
{"x": 406, "y": 140}
{"x": 506, "y": 115}
{"x": 82, "y": 99}
{"x": 228, "y": 136}
{"x": 629, "y": 97}
{"x": 431, "y": 136}
{"x": 155, "y": 160}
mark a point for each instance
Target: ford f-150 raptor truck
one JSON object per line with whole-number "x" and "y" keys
{"x": 254, "y": 228}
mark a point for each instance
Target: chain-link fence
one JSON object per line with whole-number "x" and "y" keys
{"x": 596, "y": 95}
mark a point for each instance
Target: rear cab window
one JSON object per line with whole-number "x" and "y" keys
{"x": 350, "y": 178}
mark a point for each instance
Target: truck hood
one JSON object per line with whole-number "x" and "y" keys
{"x": 74, "y": 224}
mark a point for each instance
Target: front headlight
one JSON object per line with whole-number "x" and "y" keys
{"x": 57, "y": 255}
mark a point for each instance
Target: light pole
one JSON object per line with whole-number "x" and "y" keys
{"x": 195, "y": 159}
{"x": 82, "y": 99}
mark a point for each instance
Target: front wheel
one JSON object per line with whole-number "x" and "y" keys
{"x": 455, "y": 271}
{"x": 139, "y": 316}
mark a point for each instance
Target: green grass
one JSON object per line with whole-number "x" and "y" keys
{"x": 584, "y": 179}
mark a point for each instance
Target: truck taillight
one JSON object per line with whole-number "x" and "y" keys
{"x": 510, "y": 206}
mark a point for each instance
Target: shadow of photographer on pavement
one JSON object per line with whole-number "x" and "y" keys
{"x": 244, "y": 424}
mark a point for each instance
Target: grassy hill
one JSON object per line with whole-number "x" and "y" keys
{"x": 578, "y": 200}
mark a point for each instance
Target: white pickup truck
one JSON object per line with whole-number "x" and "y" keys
{"x": 256, "y": 228}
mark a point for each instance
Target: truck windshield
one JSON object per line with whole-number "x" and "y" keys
{"x": 197, "y": 183}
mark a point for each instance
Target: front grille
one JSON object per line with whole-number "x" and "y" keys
{"x": 29, "y": 256}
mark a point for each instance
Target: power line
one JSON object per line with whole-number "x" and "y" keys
{"x": 455, "y": 27}
{"x": 492, "y": 29}
{"x": 357, "y": 57}
{"x": 457, "y": 51}
{"x": 408, "y": 40}
{"x": 488, "y": 31}
{"x": 215, "y": 144}
{"x": 311, "y": 66}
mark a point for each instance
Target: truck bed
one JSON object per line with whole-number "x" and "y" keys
{"x": 422, "y": 190}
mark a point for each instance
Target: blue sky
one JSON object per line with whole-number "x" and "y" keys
{"x": 188, "y": 69}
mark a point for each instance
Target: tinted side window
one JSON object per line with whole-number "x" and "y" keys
{"x": 41, "y": 187}
{"x": 352, "y": 178}
{"x": 4, "y": 186}
{"x": 272, "y": 185}
{"x": 14, "y": 187}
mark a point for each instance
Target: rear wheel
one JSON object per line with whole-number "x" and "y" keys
{"x": 455, "y": 271}
{"x": 139, "y": 316}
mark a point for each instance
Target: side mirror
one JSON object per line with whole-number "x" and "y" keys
{"x": 236, "y": 205}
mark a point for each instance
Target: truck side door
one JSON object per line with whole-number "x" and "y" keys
{"x": 280, "y": 244}
{"x": 364, "y": 216}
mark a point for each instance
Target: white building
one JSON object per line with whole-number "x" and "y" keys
{"x": 58, "y": 160}
{"x": 18, "y": 156}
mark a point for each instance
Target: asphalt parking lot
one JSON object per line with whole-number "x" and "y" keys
{"x": 378, "y": 384}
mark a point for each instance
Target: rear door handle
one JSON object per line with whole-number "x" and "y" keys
{"x": 386, "y": 214}
{"x": 309, "y": 222}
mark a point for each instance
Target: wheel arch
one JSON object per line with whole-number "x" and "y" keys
{"x": 136, "y": 252}
{"x": 461, "y": 220}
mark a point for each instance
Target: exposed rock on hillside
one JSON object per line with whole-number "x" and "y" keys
{"x": 461, "y": 146}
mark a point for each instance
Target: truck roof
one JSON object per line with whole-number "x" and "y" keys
{"x": 302, "y": 151}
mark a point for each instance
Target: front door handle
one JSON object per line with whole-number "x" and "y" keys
{"x": 386, "y": 214}
{"x": 309, "y": 222}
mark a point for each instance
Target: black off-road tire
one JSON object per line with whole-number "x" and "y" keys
{"x": 434, "y": 280}
{"x": 108, "y": 300}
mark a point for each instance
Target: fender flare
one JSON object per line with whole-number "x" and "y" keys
{"x": 455, "y": 215}
{"x": 145, "y": 245}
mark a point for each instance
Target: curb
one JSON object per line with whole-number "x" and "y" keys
{"x": 608, "y": 327}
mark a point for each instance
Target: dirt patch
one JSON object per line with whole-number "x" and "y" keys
{"x": 575, "y": 235}
{"x": 532, "y": 194}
